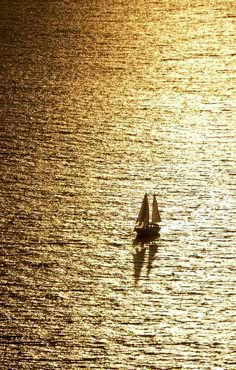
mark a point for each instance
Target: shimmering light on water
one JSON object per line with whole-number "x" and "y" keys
{"x": 102, "y": 101}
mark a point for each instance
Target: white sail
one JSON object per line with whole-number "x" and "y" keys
{"x": 155, "y": 212}
{"x": 143, "y": 216}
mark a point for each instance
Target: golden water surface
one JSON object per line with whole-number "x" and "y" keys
{"x": 100, "y": 102}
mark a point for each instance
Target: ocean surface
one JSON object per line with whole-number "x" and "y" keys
{"x": 102, "y": 101}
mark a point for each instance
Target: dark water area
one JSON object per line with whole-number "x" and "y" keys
{"x": 101, "y": 101}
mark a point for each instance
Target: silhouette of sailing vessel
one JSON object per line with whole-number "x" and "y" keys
{"x": 143, "y": 227}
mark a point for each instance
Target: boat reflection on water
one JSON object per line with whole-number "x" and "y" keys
{"x": 141, "y": 245}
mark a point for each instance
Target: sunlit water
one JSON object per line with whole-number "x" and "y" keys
{"x": 100, "y": 102}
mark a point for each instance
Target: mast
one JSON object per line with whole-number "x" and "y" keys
{"x": 155, "y": 212}
{"x": 143, "y": 216}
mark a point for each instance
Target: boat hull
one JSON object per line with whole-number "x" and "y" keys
{"x": 150, "y": 230}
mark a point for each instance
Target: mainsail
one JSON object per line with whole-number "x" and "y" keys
{"x": 155, "y": 212}
{"x": 143, "y": 216}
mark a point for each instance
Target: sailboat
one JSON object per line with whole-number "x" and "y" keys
{"x": 143, "y": 227}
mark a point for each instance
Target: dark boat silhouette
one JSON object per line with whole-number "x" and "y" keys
{"x": 143, "y": 227}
